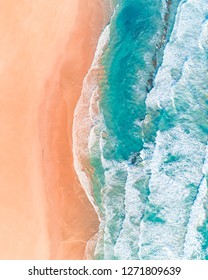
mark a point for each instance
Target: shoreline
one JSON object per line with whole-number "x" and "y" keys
{"x": 85, "y": 116}
{"x": 73, "y": 206}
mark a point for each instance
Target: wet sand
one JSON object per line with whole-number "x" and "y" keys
{"x": 46, "y": 50}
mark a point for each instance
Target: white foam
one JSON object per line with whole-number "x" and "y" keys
{"x": 183, "y": 44}
{"x": 112, "y": 201}
{"x": 203, "y": 39}
{"x": 169, "y": 192}
{"x": 83, "y": 117}
{"x": 205, "y": 166}
{"x": 83, "y": 129}
{"x": 127, "y": 242}
{"x": 193, "y": 240}
{"x": 192, "y": 246}
{"x": 169, "y": 181}
{"x": 86, "y": 126}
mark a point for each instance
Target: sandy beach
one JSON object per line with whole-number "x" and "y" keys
{"x": 46, "y": 50}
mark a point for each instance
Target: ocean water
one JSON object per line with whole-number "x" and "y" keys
{"x": 147, "y": 145}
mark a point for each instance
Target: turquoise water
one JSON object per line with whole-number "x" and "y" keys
{"x": 122, "y": 104}
{"x": 149, "y": 153}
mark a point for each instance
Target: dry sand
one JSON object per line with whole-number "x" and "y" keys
{"x": 46, "y": 50}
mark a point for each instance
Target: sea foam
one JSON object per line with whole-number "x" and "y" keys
{"x": 177, "y": 189}
{"x": 84, "y": 116}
